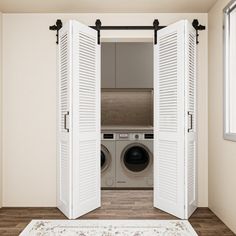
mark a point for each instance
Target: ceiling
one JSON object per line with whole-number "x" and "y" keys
{"x": 105, "y": 6}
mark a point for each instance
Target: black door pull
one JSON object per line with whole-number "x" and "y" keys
{"x": 65, "y": 121}
{"x": 191, "y": 121}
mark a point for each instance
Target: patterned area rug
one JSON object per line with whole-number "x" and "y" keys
{"x": 109, "y": 228}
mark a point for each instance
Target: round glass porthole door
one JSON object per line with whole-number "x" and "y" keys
{"x": 136, "y": 158}
{"x": 105, "y": 158}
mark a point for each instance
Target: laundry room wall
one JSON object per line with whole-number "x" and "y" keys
{"x": 0, "y": 109}
{"x": 116, "y": 111}
{"x": 29, "y": 100}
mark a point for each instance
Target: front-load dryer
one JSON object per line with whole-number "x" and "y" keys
{"x": 108, "y": 165}
{"x": 134, "y": 160}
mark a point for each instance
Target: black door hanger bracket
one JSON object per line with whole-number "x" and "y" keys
{"x": 198, "y": 28}
{"x": 56, "y": 27}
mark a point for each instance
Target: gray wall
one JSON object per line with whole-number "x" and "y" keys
{"x": 127, "y": 107}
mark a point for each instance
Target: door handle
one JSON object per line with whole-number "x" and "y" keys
{"x": 65, "y": 121}
{"x": 191, "y": 121}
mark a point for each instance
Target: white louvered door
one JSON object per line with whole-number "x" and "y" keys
{"x": 64, "y": 145}
{"x": 83, "y": 58}
{"x": 191, "y": 121}
{"x": 86, "y": 120}
{"x": 170, "y": 76}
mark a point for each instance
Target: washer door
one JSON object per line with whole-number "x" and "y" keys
{"x": 105, "y": 158}
{"x": 136, "y": 158}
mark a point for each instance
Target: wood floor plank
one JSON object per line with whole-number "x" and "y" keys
{"x": 116, "y": 204}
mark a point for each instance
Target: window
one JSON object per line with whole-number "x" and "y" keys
{"x": 230, "y": 71}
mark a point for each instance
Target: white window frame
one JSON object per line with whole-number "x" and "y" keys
{"x": 227, "y": 10}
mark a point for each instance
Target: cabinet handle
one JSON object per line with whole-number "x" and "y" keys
{"x": 65, "y": 121}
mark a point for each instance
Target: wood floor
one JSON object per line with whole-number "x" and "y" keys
{"x": 116, "y": 204}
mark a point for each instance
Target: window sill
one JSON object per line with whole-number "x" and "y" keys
{"x": 230, "y": 137}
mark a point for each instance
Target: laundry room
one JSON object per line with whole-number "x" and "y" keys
{"x": 127, "y": 116}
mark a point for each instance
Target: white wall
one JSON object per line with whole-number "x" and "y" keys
{"x": 0, "y": 109}
{"x": 29, "y": 101}
{"x": 222, "y": 153}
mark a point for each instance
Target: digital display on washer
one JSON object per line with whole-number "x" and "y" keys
{"x": 148, "y": 136}
{"x": 108, "y": 136}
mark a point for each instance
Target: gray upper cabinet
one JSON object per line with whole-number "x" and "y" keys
{"x": 127, "y": 65}
{"x": 134, "y": 65}
{"x": 108, "y": 76}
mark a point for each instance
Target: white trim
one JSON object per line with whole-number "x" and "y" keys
{"x": 226, "y": 126}
{"x": 230, "y": 136}
{"x": 124, "y": 40}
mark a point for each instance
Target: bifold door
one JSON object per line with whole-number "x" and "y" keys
{"x": 175, "y": 120}
{"x": 78, "y": 165}
{"x": 190, "y": 121}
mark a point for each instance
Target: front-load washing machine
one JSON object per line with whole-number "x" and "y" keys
{"x": 108, "y": 165}
{"x": 134, "y": 160}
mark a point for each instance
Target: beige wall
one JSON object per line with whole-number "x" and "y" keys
{"x": 29, "y": 101}
{"x": 0, "y": 109}
{"x": 222, "y": 153}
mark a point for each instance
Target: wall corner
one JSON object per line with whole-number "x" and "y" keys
{"x": 1, "y": 110}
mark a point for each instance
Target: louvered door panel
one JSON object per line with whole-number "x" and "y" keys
{"x": 191, "y": 166}
{"x": 167, "y": 167}
{"x": 169, "y": 194}
{"x": 168, "y": 83}
{"x": 63, "y": 79}
{"x": 64, "y": 173}
{"x": 87, "y": 86}
{"x": 191, "y": 124}
{"x": 88, "y": 182}
{"x": 86, "y": 120}
{"x": 63, "y": 109}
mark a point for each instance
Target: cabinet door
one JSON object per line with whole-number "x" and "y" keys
{"x": 108, "y": 65}
{"x": 134, "y": 65}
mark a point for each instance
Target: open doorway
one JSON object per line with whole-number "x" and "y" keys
{"x": 127, "y": 126}
{"x": 127, "y": 118}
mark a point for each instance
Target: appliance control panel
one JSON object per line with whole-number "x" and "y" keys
{"x": 127, "y": 136}
{"x": 134, "y": 136}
